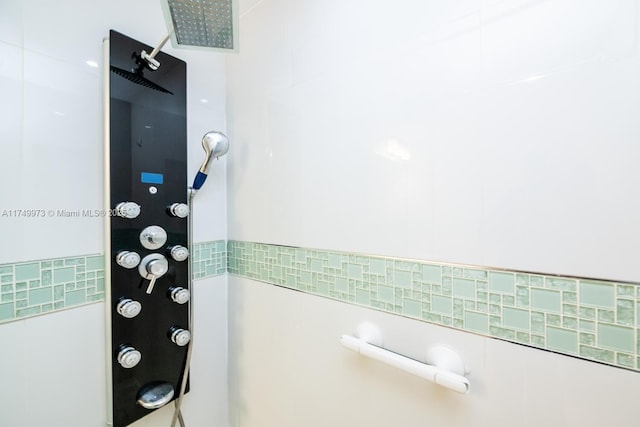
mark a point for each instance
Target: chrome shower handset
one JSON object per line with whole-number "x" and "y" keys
{"x": 215, "y": 144}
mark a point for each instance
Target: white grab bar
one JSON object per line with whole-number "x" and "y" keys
{"x": 432, "y": 373}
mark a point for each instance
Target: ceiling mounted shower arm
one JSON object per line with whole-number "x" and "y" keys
{"x": 153, "y": 63}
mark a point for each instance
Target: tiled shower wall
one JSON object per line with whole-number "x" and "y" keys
{"x": 33, "y": 288}
{"x": 38, "y": 287}
{"x": 480, "y": 132}
{"x": 591, "y": 319}
{"x": 483, "y": 132}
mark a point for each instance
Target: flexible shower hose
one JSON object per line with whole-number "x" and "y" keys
{"x": 177, "y": 413}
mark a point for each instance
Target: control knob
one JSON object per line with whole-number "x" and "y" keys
{"x": 179, "y": 336}
{"x": 128, "y": 259}
{"x": 128, "y": 308}
{"x": 128, "y": 357}
{"x": 179, "y": 210}
{"x": 179, "y": 253}
{"x": 153, "y": 237}
{"x": 179, "y": 294}
{"x": 128, "y": 210}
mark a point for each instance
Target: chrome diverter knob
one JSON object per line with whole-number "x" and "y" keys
{"x": 153, "y": 237}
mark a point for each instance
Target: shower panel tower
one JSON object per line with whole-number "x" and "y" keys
{"x": 147, "y": 266}
{"x": 148, "y": 230}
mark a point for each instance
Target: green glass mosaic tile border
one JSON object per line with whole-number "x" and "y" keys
{"x": 209, "y": 259}
{"x": 590, "y": 319}
{"x": 33, "y": 288}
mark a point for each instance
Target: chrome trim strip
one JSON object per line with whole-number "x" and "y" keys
{"x": 107, "y": 227}
{"x": 443, "y": 263}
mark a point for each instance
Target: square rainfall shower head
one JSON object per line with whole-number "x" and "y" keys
{"x": 202, "y": 24}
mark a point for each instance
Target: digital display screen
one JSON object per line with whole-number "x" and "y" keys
{"x": 151, "y": 178}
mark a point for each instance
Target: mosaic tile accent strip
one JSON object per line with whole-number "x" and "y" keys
{"x": 37, "y": 287}
{"x": 33, "y": 288}
{"x": 209, "y": 259}
{"x": 590, "y": 319}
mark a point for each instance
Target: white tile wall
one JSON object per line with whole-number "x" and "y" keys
{"x": 487, "y": 132}
{"x": 11, "y": 24}
{"x": 11, "y": 108}
{"x": 13, "y": 371}
{"x": 492, "y": 132}
{"x": 61, "y": 166}
{"x": 206, "y": 112}
{"x": 65, "y": 351}
{"x": 287, "y": 368}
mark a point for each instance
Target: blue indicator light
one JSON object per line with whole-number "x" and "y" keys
{"x": 151, "y": 178}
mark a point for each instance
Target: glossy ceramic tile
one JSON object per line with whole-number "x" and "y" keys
{"x": 82, "y": 38}
{"x": 61, "y": 152}
{"x": 205, "y": 74}
{"x": 13, "y": 370}
{"x": 12, "y": 186}
{"x": 557, "y": 37}
{"x": 80, "y": 361}
{"x": 484, "y": 132}
{"x": 298, "y": 342}
{"x": 11, "y": 68}
{"x": 11, "y": 22}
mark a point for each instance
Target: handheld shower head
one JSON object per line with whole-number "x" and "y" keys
{"x": 215, "y": 144}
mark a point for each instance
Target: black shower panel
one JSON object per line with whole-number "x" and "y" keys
{"x": 148, "y": 227}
